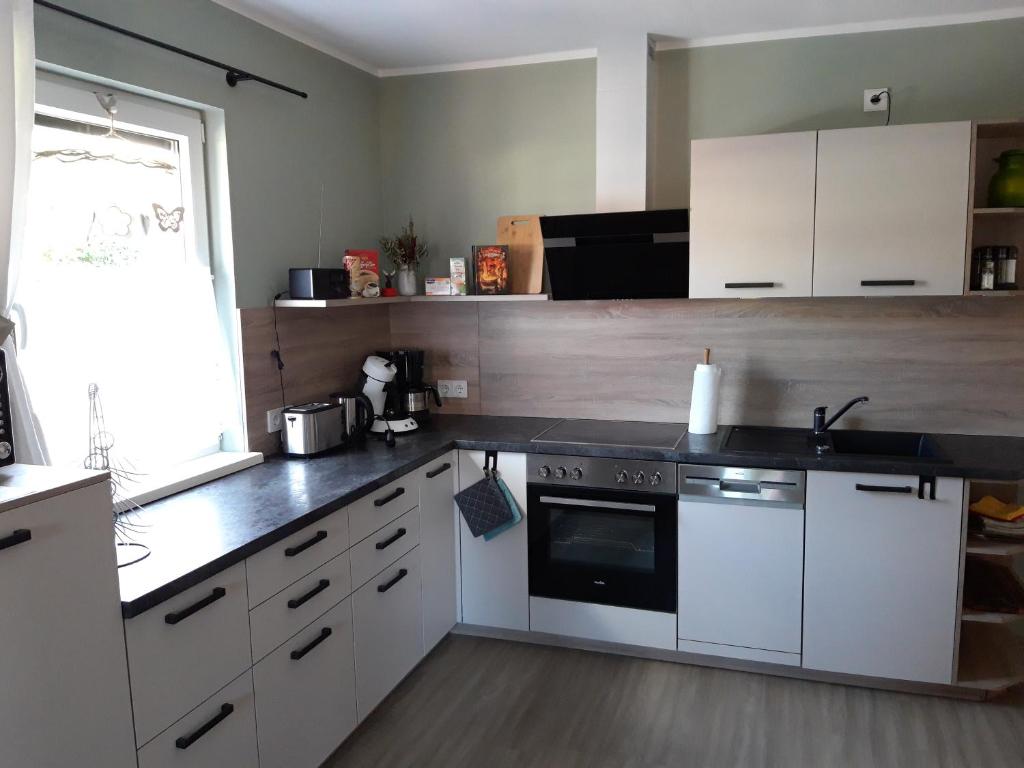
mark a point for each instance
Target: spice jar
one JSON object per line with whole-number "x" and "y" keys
{"x": 988, "y": 270}
{"x": 1006, "y": 268}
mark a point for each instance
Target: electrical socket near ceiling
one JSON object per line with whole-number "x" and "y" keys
{"x": 883, "y": 101}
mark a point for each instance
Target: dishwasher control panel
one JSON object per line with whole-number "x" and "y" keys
{"x": 763, "y": 486}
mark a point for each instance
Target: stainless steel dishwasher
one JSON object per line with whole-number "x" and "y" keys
{"x": 741, "y": 557}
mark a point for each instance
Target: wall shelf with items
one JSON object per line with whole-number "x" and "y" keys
{"x": 990, "y": 226}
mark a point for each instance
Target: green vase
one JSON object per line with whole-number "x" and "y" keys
{"x": 1006, "y": 190}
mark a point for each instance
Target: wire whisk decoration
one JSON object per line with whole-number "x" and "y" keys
{"x": 122, "y": 473}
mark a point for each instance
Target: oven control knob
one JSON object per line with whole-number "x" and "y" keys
{"x": 560, "y": 473}
{"x": 544, "y": 471}
{"x": 621, "y": 476}
{"x": 638, "y": 478}
{"x": 656, "y": 479}
{"x": 5, "y": 450}
{"x": 576, "y": 474}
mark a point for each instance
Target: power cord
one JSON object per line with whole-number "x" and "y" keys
{"x": 276, "y": 353}
{"x": 888, "y": 103}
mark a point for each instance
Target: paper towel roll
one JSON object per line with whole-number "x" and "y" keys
{"x": 704, "y": 400}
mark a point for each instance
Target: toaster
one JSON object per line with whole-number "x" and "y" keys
{"x": 311, "y": 428}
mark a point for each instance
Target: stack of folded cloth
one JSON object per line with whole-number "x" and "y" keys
{"x": 997, "y": 519}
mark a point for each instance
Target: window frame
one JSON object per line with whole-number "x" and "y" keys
{"x": 71, "y": 99}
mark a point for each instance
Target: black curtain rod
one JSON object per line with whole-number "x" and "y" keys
{"x": 234, "y": 74}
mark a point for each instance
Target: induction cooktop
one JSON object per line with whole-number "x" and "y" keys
{"x": 625, "y": 434}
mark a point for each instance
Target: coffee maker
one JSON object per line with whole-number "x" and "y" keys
{"x": 380, "y": 384}
{"x": 408, "y": 396}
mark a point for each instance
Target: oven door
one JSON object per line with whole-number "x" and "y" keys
{"x": 601, "y": 546}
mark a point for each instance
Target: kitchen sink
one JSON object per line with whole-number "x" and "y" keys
{"x": 837, "y": 442}
{"x": 902, "y": 445}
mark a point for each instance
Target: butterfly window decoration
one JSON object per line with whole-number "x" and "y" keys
{"x": 169, "y": 220}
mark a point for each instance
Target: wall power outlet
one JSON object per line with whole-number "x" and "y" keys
{"x": 274, "y": 420}
{"x": 453, "y": 388}
{"x": 883, "y": 99}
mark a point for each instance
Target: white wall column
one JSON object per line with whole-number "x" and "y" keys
{"x": 622, "y": 123}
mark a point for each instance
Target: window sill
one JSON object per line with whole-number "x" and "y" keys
{"x": 189, "y": 475}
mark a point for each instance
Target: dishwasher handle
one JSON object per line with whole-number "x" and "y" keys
{"x": 746, "y": 484}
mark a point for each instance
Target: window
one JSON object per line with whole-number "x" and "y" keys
{"x": 116, "y": 288}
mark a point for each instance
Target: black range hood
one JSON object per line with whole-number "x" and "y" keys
{"x": 631, "y": 255}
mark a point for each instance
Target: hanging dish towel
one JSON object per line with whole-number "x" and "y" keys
{"x": 517, "y": 514}
{"x": 484, "y": 505}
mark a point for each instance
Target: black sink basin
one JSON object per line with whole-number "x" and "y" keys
{"x": 776, "y": 440}
{"x": 901, "y": 445}
{"x": 835, "y": 442}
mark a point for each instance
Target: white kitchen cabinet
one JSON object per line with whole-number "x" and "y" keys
{"x": 438, "y": 552}
{"x": 65, "y": 697}
{"x": 495, "y": 578}
{"x": 305, "y": 693}
{"x": 388, "y": 629}
{"x": 891, "y": 210}
{"x": 752, "y": 215}
{"x": 880, "y": 575}
{"x": 186, "y": 648}
{"x": 741, "y": 580}
{"x": 377, "y": 509}
{"x": 380, "y": 549}
{"x": 218, "y": 733}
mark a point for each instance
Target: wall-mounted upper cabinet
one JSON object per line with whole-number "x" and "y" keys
{"x": 879, "y": 211}
{"x": 752, "y": 216}
{"x": 891, "y": 210}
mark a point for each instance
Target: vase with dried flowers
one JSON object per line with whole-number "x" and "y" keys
{"x": 405, "y": 252}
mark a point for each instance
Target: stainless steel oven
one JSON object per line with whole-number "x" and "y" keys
{"x": 603, "y": 531}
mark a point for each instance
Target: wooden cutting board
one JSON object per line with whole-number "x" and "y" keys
{"x": 525, "y": 252}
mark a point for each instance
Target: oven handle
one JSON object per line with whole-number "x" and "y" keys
{"x": 598, "y": 504}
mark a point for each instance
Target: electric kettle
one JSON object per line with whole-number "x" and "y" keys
{"x": 356, "y": 414}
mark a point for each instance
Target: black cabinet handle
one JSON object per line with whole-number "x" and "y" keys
{"x": 295, "y": 602}
{"x": 184, "y": 742}
{"x": 184, "y": 613}
{"x": 750, "y": 285}
{"x": 390, "y": 497}
{"x": 293, "y": 551}
{"x": 388, "y": 542}
{"x": 19, "y": 536}
{"x": 884, "y": 488}
{"x": 324, "y": 634}
{"x": 435, "y": 472}
{"x": 883, "y": 283}
{"x": 385, "y": 587}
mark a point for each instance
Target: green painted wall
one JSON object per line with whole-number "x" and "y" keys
{"x": 280, "y": 148}
{"x": 963, "y": 72}
{"x": 462, "y": 148}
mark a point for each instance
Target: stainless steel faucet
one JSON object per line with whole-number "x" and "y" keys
{"x": 820, "y": 425}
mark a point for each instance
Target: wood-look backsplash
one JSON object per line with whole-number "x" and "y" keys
{"x": 323, "y": 352}
{"x": 933, "y": 364}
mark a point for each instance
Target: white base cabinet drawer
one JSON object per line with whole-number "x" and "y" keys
{"x": 274, "y": 568}
{"x": 306, "y": 706}
{"x": 220, "y": 732}
{"x": 183, "y": 650}
{"x": 280, "y": 617}
{"x": 379, "y": 550}
{"x": 387, "y": 616}
{"x": 377, "y": 509}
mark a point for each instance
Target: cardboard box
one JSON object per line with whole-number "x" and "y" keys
{"x": 364, "y": 271}
{"x": 438, "y": 286}
{"x": 457, "y": 268}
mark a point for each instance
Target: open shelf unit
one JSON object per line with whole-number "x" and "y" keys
{"x": 992, "y": 226}
{"x": 991, "y": 647}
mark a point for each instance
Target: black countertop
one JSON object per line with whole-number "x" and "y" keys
{"x": 200, "y": 532}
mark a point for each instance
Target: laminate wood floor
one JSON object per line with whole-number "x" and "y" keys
{"x": 485, "y": 703}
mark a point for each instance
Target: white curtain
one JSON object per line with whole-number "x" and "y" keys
{"x": 17, "y": 114}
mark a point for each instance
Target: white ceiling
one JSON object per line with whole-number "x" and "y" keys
{"x": 397, "y": 36}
